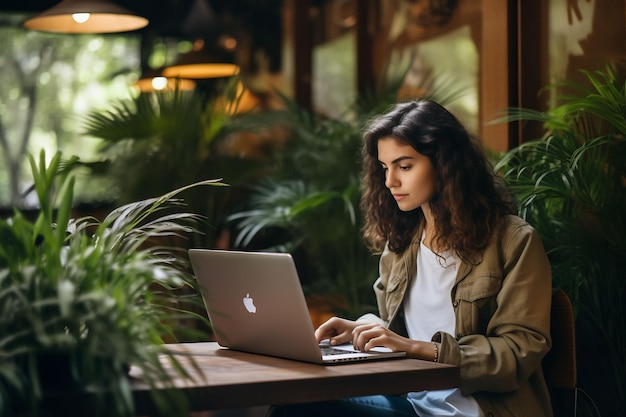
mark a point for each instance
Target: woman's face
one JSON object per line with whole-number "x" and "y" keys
{"x": 409, "y": 175}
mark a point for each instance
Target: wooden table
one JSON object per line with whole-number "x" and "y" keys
{"x": 231, "y": 379}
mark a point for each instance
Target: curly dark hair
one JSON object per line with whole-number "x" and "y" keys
{"x": 469, "y": 202}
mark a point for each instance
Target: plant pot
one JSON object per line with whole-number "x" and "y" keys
{"x": 55, "y": 371}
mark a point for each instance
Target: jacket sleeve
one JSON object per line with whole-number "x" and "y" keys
{"x": 379, "y": 288}
{"x": 379, "y": 292}
{"x": 500, "y": 354}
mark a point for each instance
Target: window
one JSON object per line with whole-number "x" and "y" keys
{"x": 49, "y": 82}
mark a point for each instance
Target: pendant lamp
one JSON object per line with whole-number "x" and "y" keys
{"x": 201, "y": 63}
{"x": 154, "y": 80}
{"x": 86, "y": 16}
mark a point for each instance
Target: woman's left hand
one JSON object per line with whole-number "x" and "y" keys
{"x": 366, "y": 336}
{"x": 369, "y": 335}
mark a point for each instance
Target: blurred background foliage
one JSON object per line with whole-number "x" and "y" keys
{"x": 571, "y": 186}
{"x": 49, "y": 82}
{"x": 164, "y": 140}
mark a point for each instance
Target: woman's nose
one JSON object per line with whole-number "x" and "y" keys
{"x": 390, "y": 179}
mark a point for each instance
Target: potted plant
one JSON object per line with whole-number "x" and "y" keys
{"x": 160, "y": 141}
{"x": 81, "y": 299}
{"x": 570, "y": 185}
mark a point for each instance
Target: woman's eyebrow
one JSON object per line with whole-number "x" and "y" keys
{"x": 397, "y": 160}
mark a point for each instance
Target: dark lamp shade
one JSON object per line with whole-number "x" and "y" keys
{"x": 97, "y": 16}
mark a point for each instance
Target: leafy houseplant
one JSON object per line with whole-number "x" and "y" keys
{"x": 164, "y": 140}
{"x": 93, "y": 297}
{"x": 571, "y": 185}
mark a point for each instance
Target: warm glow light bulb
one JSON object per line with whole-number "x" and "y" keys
{"x": 80, "y": 17}
{"x": 159, "y": 83}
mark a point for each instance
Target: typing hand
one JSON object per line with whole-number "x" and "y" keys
{"x": 336, "y": 330}
{"x": 367, "y": 336}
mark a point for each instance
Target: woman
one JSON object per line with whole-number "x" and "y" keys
{"x": 462, "y": 279}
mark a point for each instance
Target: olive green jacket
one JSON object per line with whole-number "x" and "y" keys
{"x": 502, "y": 309}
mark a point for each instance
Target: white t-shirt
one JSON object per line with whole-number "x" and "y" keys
{"x": 427, "y": 310}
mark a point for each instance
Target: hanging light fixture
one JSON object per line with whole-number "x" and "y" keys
{"x": 201, "y": 63}
{"x": 203, "y": 25}
{"x": 86, "y": 16}
{"x": 154, "y": 80}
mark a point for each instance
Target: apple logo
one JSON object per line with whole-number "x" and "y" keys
{"x": 249, "y": 304}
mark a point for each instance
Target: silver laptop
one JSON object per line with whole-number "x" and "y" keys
{"x": 255, "y": 304}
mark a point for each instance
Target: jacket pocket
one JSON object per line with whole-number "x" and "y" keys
{"x": 388, "y": 297}
{"x": 379, "y": 292}
{"x": 475, "y": 303}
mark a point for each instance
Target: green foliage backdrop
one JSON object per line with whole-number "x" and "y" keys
{"x": 49, "y": 82}
{"x": 571, "y": 185}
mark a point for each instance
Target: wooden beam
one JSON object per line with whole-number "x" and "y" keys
{"x": 365, "y": 76}
{"x": 533, "y": 64}
{"x": 498, "y": 71}
{"x": 302, "y": 52}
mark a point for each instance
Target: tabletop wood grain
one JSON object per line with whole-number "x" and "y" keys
{"x": 226, "y": 378}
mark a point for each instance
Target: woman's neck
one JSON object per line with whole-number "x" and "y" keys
{"x": 430, "y": 231}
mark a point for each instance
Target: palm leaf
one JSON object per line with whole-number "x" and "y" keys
{"x": 570, "y": 186}
{"x": 100, "y": 293}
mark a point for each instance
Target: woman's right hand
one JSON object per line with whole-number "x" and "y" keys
{"x": 337, "y": 330}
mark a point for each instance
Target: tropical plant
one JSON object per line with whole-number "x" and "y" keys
{"x": 308, "y": 204}
{"x": 81, "y": 300}
{"x": 571, "y": 185}
{"x": 164, "y": 140}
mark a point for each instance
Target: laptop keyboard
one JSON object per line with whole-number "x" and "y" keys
{"x": 329, "y": 350}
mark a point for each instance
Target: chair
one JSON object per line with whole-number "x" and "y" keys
{"x": 559, "y": 365}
